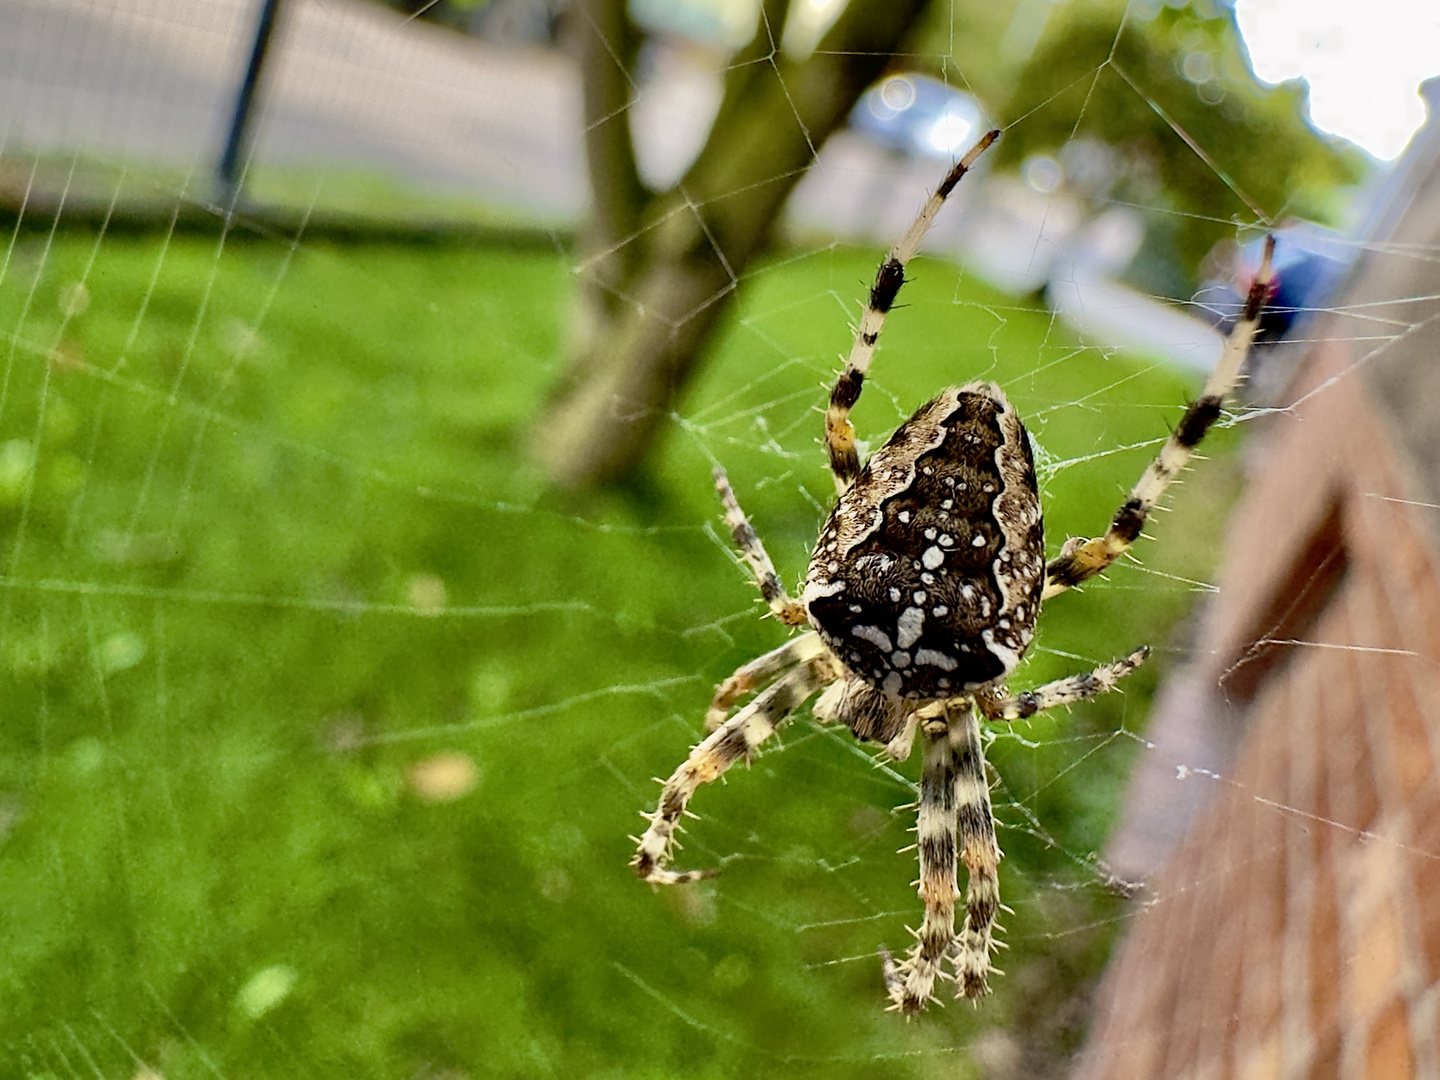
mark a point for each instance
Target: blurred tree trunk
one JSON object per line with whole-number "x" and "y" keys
{"x": 658, "y": 269}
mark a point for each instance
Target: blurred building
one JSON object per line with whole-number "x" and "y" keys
{"x": 1287, "y": 819}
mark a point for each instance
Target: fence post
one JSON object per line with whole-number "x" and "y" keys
{"x": 237, "y": 144}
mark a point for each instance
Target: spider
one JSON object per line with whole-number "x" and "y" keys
{"x": 920, "y": 599}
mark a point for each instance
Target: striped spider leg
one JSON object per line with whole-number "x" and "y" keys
{"x": 796, "y": 670}
{"x": 797, "y": 650}
{"x": 839, "y": 432}
{"x": 952, "y": 820}
{"x": 955, "y": 824}
{"x": 736, "y": 739}
{"x": 1079, "y": 559}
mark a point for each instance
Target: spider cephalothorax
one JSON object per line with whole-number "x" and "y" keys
{"x": 922, "y": 595}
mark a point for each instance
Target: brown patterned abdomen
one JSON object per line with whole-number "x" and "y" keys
{"x": 926, "y": 578}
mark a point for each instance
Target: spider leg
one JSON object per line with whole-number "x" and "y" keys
{"x": 955, "y": 816}
{"x": 979, "y": 851}
{"x": 974, "y": 817}
{"x": 1000, "y": 706}
{"x": 898, "y": 748}
{"x": 1080, "y": 560}
{"x": 789, "y": 611}
{"x": 839, "y": 432}
{"x": 760, "y": 671}
{"x": 737, "y": 738}
{"x": 911, "y": 982}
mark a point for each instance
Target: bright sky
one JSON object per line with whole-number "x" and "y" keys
{"x": 1362, "y": 58}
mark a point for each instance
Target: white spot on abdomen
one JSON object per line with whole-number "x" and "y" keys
{"x": 935, "y": 659}
{"x": 874, "y": 635}
{"x": 909, "y": 626}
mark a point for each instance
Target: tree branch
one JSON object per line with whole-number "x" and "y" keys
{"x": 608, "y": 45}
{"x": 701, "y": 236}
{"x": 753, "y": 61}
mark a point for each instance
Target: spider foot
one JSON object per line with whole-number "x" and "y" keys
{"x": 648, "y": 869}
{"x": 655, "y": 849}
{"x": 910, "y": 983}
{"x": 973, "y": 967}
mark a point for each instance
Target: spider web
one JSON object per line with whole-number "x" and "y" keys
{"x": 326, "y": 723}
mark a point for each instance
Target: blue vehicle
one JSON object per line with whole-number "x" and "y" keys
{"x": 1310, "y": 264}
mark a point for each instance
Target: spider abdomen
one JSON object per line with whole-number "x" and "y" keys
{"x": 927, "y": 576}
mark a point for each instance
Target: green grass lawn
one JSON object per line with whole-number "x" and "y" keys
{"x": 280, "y": 585}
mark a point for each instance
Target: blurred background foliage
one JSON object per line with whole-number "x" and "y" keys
{"x": 328, "y": 718}
{"x": 1145, "y": 105}
{"x": 1137, "y": 102}
{"x": 327, "y": 727}
{"x": 1122, "y": 78}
